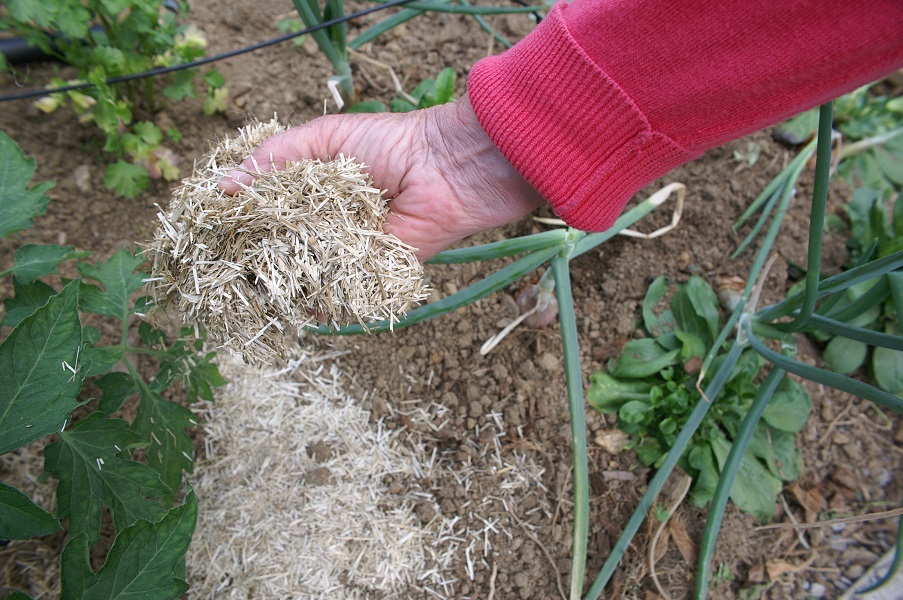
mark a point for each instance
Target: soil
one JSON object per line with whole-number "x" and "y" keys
{"x": 853, "y": 461}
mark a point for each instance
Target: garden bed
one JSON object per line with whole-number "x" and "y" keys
{"x": 477, "y": 414}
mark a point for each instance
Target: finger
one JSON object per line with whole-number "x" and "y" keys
{"x": 273, "y": 153}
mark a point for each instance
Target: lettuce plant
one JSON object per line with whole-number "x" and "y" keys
{"x": 652, "y": 387}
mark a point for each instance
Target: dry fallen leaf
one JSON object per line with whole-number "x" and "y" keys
{"x": 682, "y": 540}
{"x": 777, "y": 567}
{"x": 612, "y": 441}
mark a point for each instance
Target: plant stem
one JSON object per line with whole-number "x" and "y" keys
{"x": 869, "y": 143}
{"x": 578, "y": 421}
{"x": 817, "y": 215}
{"x": 727, "y": 478}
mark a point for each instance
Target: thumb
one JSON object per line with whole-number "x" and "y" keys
{"x": 295, "y": 144}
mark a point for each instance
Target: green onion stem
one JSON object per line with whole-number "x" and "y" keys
{"x": 817, "y": 215}
{"x": 727, "y": 478}
{"x": 828, "y": 378}
{"x": 578, "y": 421}
{"x": 664, "y": 471}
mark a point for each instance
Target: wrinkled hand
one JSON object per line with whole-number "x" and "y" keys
{"x": 444, "y": 176}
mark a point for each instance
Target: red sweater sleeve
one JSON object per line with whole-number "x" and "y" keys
{"x": 605, "y": 96}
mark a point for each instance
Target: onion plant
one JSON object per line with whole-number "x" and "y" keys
{"x": 332, "y": 39}
{"x": 749, "y": 325}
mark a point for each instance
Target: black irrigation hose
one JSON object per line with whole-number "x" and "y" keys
{"x": 208, "y": 59}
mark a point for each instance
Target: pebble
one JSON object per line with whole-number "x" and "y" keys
{"x": 549, "y": 362}
{"x": 82, "y": 176}
{"x": 449, "y": 288}
{"x": 817, "y": 590}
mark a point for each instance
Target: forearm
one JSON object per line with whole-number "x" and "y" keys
{"x": 605, "y": 97}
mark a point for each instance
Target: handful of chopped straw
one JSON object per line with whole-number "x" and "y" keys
{"x": 296, "y": 246}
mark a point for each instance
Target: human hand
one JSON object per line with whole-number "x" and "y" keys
{"x": 444, "y": 176}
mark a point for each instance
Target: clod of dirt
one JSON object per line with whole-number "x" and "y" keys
{"x": 296, "y": 246}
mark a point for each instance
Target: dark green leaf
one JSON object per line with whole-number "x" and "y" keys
{"x": 214, "y": 78}
{"x": 887, "y": 367}
{"x": 92, "y": 475}
{"x": 634, "y": 411}
{"x": 858, "y": 210}
{"x": 778, "y": 450}
{"x": 690, "y": 345}
{"x": 182, "y": 85}
{"x": 370, "y": 106}
{"x": 17, "y": 595}
{"x": 19, "y": 204}
{"x": 28, "y": 298}
{"x": 37, "y": 390}
{"x": 660, "y": 326}
{"x": 141, "y": 564}
{"x": 202, "y": 378}
{"x": 701, "y": 459}
{"x": 120, "y": 280}
{"x": 445, "y": 86}
{"x": 649, "y": 451}
{"x": 844, "y": 355}
{"x": 705, "y": 304}
{"x": 890, "y": 164}
{"x": 162, "y": 424}
{"x": 116, "y": 388}
{"x": 607, "y": 393}
{"x": 755, "y": 489}
{"x": 399, "y": 105}
{"x": 36, "y": 260}
{"x": 643, "y": 358}
{"x": 126, "y": 179}
{"x": 799, "y": 129}
{"x": 895, "y": 280}
{"x": 789, "y": 407}
{"x": 20, "y": 518}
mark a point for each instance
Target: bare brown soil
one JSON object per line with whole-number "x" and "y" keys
{"x": 853, "y": 460}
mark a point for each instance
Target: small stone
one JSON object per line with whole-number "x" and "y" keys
{"x": 449, "y": 288}
{"x": 82, "y": 176}
{"x": 319, "y": 451}
{"x": 841, "y": 439}
{"x": 549, "y": 362}
{"x": 854, "y": 572}
{"x": 817, "y": 590}
{"x": 318, "y": 476}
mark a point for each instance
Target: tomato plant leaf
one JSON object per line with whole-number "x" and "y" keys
{"x": 120, "y": 280}
{"x": 789, "y": 407}
{"x": 92, "y": 474}
{"x": 36, "y": 260}
{"x": 126, "y": 179}
{"x": 37, "y": 390}
{"x": 19, "y": 204}
{"x": 141, "y": 564}
{"x": 202, "y": 378}
{"x": 20, "y": 518}
{"x": 28, "y": 298}
{"x": 162, "y": 424}
{"x": 116, "y": 388}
